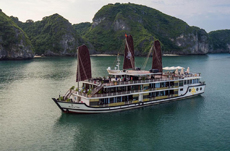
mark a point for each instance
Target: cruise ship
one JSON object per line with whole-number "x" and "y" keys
{"x": 129, "y": 88}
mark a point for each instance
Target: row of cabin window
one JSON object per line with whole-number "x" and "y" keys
{"x": 116, "y": 99}
{"x": 186, "y": 82}
{"x": 131, "y": 98}
{"x": 139, "y": 87}
{"x": 160, "y": 93}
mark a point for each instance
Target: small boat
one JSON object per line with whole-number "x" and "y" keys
{"x": 129, "y": 88}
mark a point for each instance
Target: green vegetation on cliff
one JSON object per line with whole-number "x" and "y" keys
{"x": 7, "y": 32}
{"x": 82, "y": 28}
{"x": 112, "y": 21}
{"x": 53, "y": 34}
{"x": 14, "y": 43}
{"x": 219, "y": 41}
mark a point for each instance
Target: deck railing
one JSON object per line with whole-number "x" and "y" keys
{"x": 113, "y": 83}
{"x": 128, "y": 92}
{"x": 130, "y": 102}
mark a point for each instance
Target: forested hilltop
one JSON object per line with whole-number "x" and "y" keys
{"x": 219, "y": 41}
{"x": 14, "y": 43}
{"x": 146, "y": 24}
{"x": 55, "y": 35}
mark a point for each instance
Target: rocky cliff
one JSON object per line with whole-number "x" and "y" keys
{"x": 219, "y": 41}
{"x": 53, "y": 35}
{"x": 146, "y": 24}
{"x": 14, "y": 43}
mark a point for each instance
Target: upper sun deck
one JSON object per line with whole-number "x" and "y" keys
{"x": 139, "y": 77}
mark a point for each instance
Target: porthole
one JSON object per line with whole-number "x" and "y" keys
{"x": 197, "y": 89}
{"x": 189, "y": 90}
{"x": 201, "y": 88}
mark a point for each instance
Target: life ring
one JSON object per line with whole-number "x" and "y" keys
{"x": 141, "y": 103}
{"x": 82, "y": 102}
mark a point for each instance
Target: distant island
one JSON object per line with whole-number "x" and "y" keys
{"x": 56, "y": 36}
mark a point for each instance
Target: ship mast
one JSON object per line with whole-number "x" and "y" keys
{"x": 78, "y": 69}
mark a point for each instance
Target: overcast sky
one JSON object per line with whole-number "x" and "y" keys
{"x": 207, "y": 14}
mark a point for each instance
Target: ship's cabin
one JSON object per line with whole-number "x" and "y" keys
{"x": 125, "y": 82}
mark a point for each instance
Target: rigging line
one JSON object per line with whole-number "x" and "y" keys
{"x": 131, "y": 58}
{"x": 147, "y": 59}
{"x": 114, "y": 62}
{"x": 78, "y": 69}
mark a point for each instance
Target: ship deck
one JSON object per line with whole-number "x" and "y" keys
{"x": 117, "y": 82}
{"x": 123, "y": 81}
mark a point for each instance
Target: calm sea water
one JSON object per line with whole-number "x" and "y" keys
{"x": 30, "y": 120}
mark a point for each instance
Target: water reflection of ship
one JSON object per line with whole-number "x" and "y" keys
{"x": 89, "y": 132}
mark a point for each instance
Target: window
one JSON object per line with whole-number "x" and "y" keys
{"x": 118, "y": 99}
{"x": 157, "y": 85}
{"x": 162, "y": 84}
{"x": 189, "y": 90}
{"x": 111, "y": 90}
{"x": 201, "y": 88}
{"x": 180, "y": 83}
{"x": 136, "y": 87}
{"x": 162, "y": 93}
{"x": 176, "y": 84}
{"x": 181, "y": 89}
{"x": 146, "y": 87}
{"x": 175, "y": 92}
{"x": 94, "y": 103}
{"x": 197, "y": 89}
{"x": 188, "y": 82}
{"x": 185, "y": 82}
{"x": 196, "y": 80}
{"x": 145, "y": 96}
{"x": 157, "y": 94}
{"x": 111, "y": 100}
{"x": 135, "y": 98}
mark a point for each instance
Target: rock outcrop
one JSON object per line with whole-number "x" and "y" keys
{"x": 53, "y": 36}
{"x": 219, "y": 41}
{"x": 14, "y": 43}
{"x": 146, "y": 24}
{"x": 195, "y": 42}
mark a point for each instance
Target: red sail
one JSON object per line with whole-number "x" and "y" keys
{"x": 157, "y": 56}
{"x": 129, "y": 61}
{"x": 83, "y": 64}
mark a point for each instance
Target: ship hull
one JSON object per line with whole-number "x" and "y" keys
{"x": 82, "y": 108}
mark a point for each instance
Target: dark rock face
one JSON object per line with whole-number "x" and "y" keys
{"x": 219, "y": 41}
{"x": 14, "y": 43}
{"x": 56, "y": 36}
{"x": 145, "y": 24}
{"x": 53, "y": 36}
{"x": 195, "y": 42}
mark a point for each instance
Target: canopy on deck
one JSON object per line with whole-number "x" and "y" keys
{"x": 173, "y": 68}
{"x": 132, "y": 72}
